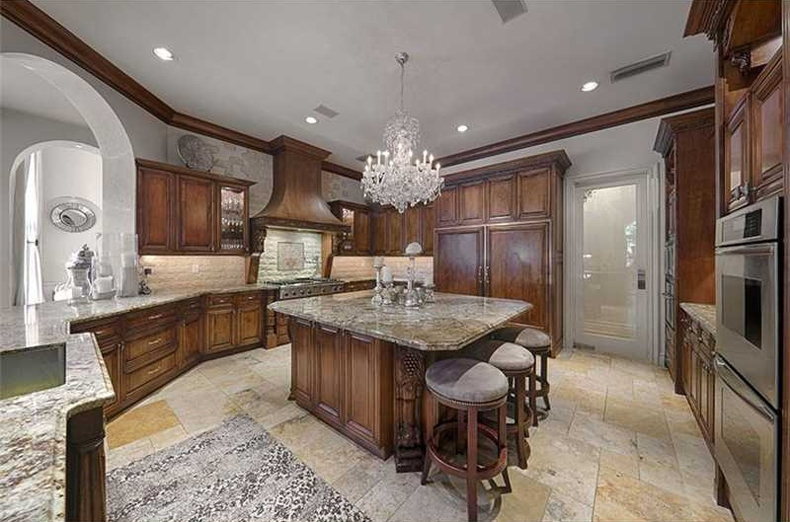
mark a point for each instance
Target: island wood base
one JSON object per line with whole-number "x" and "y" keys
{"x": 368, "y": 389}
{"x": 85, "y": 467}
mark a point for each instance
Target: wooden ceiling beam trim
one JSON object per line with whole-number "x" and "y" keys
{"x": 340, "y": 170}
{"x": 643, "y": 111}
{"x": 190, "y": 123}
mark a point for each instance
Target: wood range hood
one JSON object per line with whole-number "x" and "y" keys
{"x": 297, "y": 201}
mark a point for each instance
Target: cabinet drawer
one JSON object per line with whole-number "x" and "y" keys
{"x": 150, "y": 343}
{"x": 223, "y": 299}
{"x": 246, "y": 298}
{"x": 149, "y": 372}
{"x": 151, "y": 318}
{"x": 107, "y": 332}
{"x": 191, "y": 304}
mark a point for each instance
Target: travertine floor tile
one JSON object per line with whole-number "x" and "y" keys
{"x": 565, "y": 508}
{"x": 141, "y": 422}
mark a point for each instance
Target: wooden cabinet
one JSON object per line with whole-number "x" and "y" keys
{"x": 191, "y": 338}
{"x": 518, "y": 268}
{"x": 687, "y": 144}
{"x": 393, "y": 231}
{"x": 699, "y": 378}
{"x": 181, "y": 211}
{"x": 472, "y": 203}
{"x": 329, "y": 374}
{"x": 155, "y": 204}
{"x": 346, "y": 380}
{"x": 220, "y": 327}
{"x": 514, "y": 249}
{"x": 195, "y": 214}
{"x": 358, "y": 219}
{"x": 753, "y": 136}
{"x": 458, "y": 261}
{"x": 234, "y": 321}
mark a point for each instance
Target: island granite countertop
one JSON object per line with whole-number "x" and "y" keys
{"x": 33, "y": 425}
{"x": 450, "y": 323}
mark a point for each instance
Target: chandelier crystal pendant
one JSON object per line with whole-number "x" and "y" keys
{"x": 396, "y": 177}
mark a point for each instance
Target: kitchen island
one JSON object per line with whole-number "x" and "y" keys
{"x": 361, "y": 368}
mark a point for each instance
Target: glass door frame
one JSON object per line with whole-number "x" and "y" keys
{"x": 648, "y": 179}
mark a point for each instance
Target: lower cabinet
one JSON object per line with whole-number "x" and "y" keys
{"x": 699, "y": 379}
{"x": 346, "y": 380}
{"x": 143, "y": 350}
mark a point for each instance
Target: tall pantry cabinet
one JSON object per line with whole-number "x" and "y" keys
{"x": 499, "y": 233}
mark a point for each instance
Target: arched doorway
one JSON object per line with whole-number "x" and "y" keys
{"x": 117, "y": 156}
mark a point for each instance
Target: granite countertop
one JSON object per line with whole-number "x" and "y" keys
{"x": 450, "y": 323}
{"x": 33, "y": 426}
{"x": 704, "y": 314}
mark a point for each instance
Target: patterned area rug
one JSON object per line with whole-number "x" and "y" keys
{"x": 236, "y": 472}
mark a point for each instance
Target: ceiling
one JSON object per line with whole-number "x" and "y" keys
{"x": 23, "y": 90}
{"x": 261, "y": 67}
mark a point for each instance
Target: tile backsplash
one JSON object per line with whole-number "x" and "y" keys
{"x": 361, "y": 267}
{"x": 183, "y": 272}
{"x": 280, "y": 250}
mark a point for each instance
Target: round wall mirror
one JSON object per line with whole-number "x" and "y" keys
{"x": 73, "y": 214}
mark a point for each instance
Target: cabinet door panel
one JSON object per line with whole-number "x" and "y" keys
{"x": 518, "y": 265}
{"x": 219, "y": 328}
{"x": 428, "y": 226}
{"x": 250, "y": 324}
{"x": 501, "y": 199}
{"x": 360, "y": 371}
{"x": 768, "y": 132}
{"x": 192, "y": 338}
{"x": 472, "y": 203}
{"x": 379, "y": 226}
{"x": 195, "y": 214}
{"x": 458, "y": 261}
{"x": 394, "y": 221}
{"x": 302, "y": 362}
{"x": 736, "y": 158}
{"x": 534, "y": 191}
{"x": 154, "y": 210}
{"x": 112, "y": 360}
{"x": 447, "y": 207}
{"x": 412, "y": 226}
{"x": 329, "y": 377}
{"x": 362, "y": 232}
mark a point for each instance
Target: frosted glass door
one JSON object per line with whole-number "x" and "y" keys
{"x": 611, "y": 286}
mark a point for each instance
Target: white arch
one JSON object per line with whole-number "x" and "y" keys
{"x": 41, "y": 146}
{"x": 118, "y": 166}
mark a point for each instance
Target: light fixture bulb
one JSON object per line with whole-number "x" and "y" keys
{"x": 312, "y": 120}
{"x": 462, "y": 128}
{"x": 163, "y": 53}
{"x": 589, "y": 86}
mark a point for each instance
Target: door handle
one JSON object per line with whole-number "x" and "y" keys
{"x": 488, "y": 275}
{"x": 480, "y": 274}
{"x": 641, "y": 279}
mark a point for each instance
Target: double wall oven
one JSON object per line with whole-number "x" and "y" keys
{"x": 748, "y": 369}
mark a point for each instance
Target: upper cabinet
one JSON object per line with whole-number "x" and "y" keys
{"x": 182, "y": 211}
{"x": 357, "y": 217}
{"x": 753, "y": 134}
{"x": 382, "y": 230}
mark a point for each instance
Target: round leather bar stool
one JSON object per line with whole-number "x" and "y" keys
{"x": 518, "y": 365}
{"x": 539, "y": 343}
{"x": 469, "y": 387}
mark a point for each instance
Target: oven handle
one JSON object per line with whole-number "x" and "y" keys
{"x": 763, "y": 248}
{"x": 741, "y": 389}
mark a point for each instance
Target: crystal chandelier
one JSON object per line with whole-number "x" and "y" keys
{"x": 397, "y": 178}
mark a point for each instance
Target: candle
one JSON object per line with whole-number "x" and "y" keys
{"x": 386, "y": 274}
{"x": 378, "y": 262}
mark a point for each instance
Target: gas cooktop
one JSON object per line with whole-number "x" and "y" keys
{"x": 307, "y": 287}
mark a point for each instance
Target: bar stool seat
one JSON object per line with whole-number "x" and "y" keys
{"x": 502, "y": 354}
{"x": 539, "y": 343}
{"x": 518, "y": 365}
{"x": 468, "y": 386}
{"x": 466, "y": 381}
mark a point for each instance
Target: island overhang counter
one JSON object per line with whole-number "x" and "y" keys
{"x": 361, "y": 368}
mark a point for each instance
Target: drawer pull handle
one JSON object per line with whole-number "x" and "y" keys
{"x": 155, "y": 370}
{"x": 155, "y": 316}
{"x": 155, "y": 341}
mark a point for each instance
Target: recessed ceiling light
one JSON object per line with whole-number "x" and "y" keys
{"x": 589, "y": 86}
{"x": 463, "y": 128}
{"x": 311, "y": 120}
{"x": 163, "y": 53}
{"x": 78, "y": 146}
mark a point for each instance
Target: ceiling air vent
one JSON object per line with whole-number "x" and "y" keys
{"x": 509, "y": 9}
{"x": 323, "y": 110}
{"x": 662, "y": 60}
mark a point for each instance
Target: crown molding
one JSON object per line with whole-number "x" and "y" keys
{"x": 687, "y": 121}
{"x": 340, "y": 170}
{"x": 643, "y": 111}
